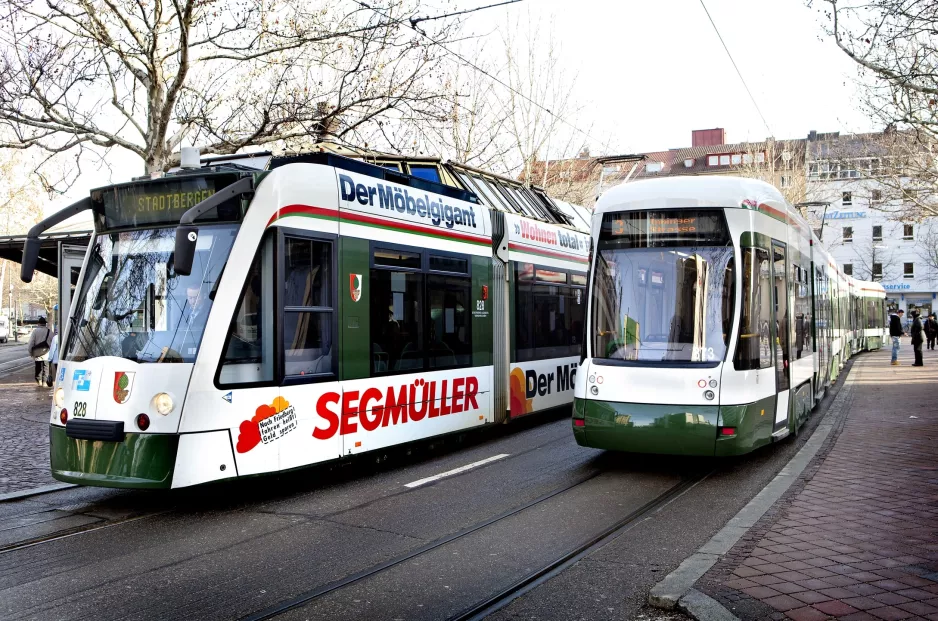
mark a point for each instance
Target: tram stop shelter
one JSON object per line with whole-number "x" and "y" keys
{"x": 61, "y": 254}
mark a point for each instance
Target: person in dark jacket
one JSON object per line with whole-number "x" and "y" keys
{"x": 931, "y": 330}
{"x": 918, "y": 337}
{"x": 896, "y": 331}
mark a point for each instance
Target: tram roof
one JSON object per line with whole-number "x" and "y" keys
{"x": 493, "y": 190}
{"x": 692, "y": 191}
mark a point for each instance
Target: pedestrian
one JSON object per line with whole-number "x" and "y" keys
{"x": 53, "y": 357}
{"x": 38, "y": 347}
{"x": 895, "y": 331}
{"x": 917, "y": 338}
{"x": 931, "y": 330}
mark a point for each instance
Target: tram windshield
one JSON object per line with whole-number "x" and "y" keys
{"x": 663, "y": 287}
{"x": 133, "y": 305}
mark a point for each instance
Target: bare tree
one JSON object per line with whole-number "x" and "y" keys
{"x": 874, "y": 261}
{"x": 224, "y": 75}
{"x": 780, "y": 163}
{"x": 893, "y": 169}
{"x": 540, "y": 102}
{"x": 927, "y": 248}
{"x": 20, "y": 201}
{"x": 894, "y": 45}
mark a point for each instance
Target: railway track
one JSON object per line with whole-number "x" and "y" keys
{"x": 506, "y": 595}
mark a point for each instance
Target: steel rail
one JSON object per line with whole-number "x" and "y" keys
{"x": 503, "y": 597}
{"x": 533, "y": 580}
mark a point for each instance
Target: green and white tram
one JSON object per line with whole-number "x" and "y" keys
{"x": 231, "y": 322}
{"x": 716, "y": 319}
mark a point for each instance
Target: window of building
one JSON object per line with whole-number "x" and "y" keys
{"x": 847, "y": 198}
{"x": 877, "y": 271}
{"x": 908, "y": 231}
{"x": 425, "y": 171}
{"x": 653, "y": 167}
{"x": 786, "y": 181}
{"x": 308, "y": 308}
{"x": 736, "y": 159}
{"x": 848, "y": 269}
{"x": 876, "y": 196}
{"x": 877, "y": 233}
{"x": 908, "y": 270}
{"x": 724, "y": 160}
{"x": 848, "y": 234}
{"x": 747, "y": 158}
{"x": 550, "y": 307}
{"x": 249, "y": 352}
{"x": 713, "y": 160}
{"x": 420, "y": 316}
{"x": 760, "y": 158}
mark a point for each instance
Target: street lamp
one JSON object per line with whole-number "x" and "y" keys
{"x": 825, "y": 205}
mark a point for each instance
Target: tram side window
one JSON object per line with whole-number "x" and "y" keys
{"x": 804, "y": 343}
{"x": 754, "y": 349}
{"x": 249, "y": 353}
{"x": 550, "y": 308}
{"x": 423, "y": 171}
{"x": 874, "y": 313}
{"x": 448, "y": 343}
{"x": 420, "y": 317}
{"x": 307, "y": 308}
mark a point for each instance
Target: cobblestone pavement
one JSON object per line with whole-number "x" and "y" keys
{"x": 857, "y": 537}
{"x": 24, "y": 432}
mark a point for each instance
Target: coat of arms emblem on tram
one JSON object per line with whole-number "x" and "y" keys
{"x": 123, "y": 384}
{"x": 355, "y": 286}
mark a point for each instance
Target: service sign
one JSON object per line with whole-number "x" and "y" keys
{"x": 546, "y": 241}
{"x": 154, "y": 202}
{"x": 412, "y": 210}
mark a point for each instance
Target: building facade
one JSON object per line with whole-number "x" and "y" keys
{"x": 871, "y": 229}
{"x": 842, "y": 184}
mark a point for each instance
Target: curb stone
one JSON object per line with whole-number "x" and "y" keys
{"x": 676, "y": 589}
{"x": 701, "y": 606}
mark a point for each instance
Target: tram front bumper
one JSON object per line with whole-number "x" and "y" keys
{"x": 645, "y": 428}
{"x": 673, "y": 429}
{"x": 139, "y": 461}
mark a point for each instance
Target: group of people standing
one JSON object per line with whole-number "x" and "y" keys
{"x": 923, "y": 331}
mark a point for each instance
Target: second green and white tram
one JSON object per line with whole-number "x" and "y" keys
{"x": 230, "y": 322}
{"x": 716, "y": 319}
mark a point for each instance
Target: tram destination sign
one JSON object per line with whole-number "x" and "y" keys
{"x": 152, "y": 202}
{"x": 665, "y": 228}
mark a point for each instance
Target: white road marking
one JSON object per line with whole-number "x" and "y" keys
{"x": 450, "y": 473}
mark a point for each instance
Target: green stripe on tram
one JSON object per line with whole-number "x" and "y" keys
{"x": 674, "y": 429}
{"x": 140, "y": 461}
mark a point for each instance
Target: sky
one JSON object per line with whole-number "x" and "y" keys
{"x": 648, "y": 73}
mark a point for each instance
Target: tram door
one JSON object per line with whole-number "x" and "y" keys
{"x": 782, "y": 319}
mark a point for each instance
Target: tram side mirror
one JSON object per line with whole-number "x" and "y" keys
{"x": 30, "y": 258}
{"x": 186, "y": 238}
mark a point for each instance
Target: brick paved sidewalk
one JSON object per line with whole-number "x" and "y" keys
{"x": 24, "y": 432}
{"x": 857, "y": 537}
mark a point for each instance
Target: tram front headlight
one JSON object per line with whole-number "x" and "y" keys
{"x": 163, "y": 403}
{"x": 58, "y": 397}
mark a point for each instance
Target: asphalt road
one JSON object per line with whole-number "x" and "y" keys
{"x": 354, "y": 542}
{"x": 11, "y": 353}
